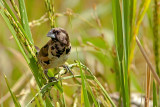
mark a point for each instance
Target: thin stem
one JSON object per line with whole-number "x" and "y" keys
{"x": 148, "y": 61}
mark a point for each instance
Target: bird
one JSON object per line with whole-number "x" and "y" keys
{"x": 55, "y": 52}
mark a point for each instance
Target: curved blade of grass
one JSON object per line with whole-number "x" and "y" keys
{"x": 36, "y": 98}
{"x": 95, "y": 79}
{"x": 104, "y": 92}
{"x": 24, "y": 19}
{"x": 47, "y": 86}
{"x": 85, "y": 95}
{"x": 78, "y": 76}
{"x": 44, "y": 89}
{"x": 84, "y": 90}
{"x": 13, "y": 96}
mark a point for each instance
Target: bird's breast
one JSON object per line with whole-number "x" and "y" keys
{"x": 57, "y": 55}
{"x": 56, "y": 62}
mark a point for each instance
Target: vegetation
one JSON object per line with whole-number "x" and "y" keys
{"x": 115, "y": 53}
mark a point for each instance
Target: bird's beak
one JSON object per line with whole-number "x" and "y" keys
{"x": 51, "y": 35}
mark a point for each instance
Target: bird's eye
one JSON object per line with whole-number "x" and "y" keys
{"x": 56, "y": 32}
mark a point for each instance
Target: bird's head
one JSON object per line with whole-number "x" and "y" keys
{"x": 59, "y": 34}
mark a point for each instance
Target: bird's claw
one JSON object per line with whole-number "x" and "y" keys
{"x": 67, "y": 69}
{"x": 51, "y": 79}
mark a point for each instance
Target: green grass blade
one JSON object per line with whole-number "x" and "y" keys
{"x": 119, "y": 39}
{"x": 123, "y": 91}
{"x": 15, "y": 8}
{"x": 49, "y": 85}
{"x": 13, "y": 96}
{"x": 126, "y": 30}
{"x": 99, "y": 84}
{"x": 58, "y": 86}
{"x": 154, "y": 95}
{"x": 156, "y": 49}
{"x": 44, "y": 89}
{"x": 35, "y": 70}
{"x": 36, "y": 98}
{"x": 24, "y": 19}
{"x": 8, "y": 8}
{"x": 117, "y": 25}
{"x": 84, "y": 89}
{"x": 105, "y": 93}
{"x": 49, "y": 103}
{"x": 85, "y": 95}
{"x": 92, "y": 95}
{"x": 117, "y": 21}
{"x": 156, "y": 35}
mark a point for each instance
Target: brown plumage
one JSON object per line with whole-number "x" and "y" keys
{"x": 55, "y": 52}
